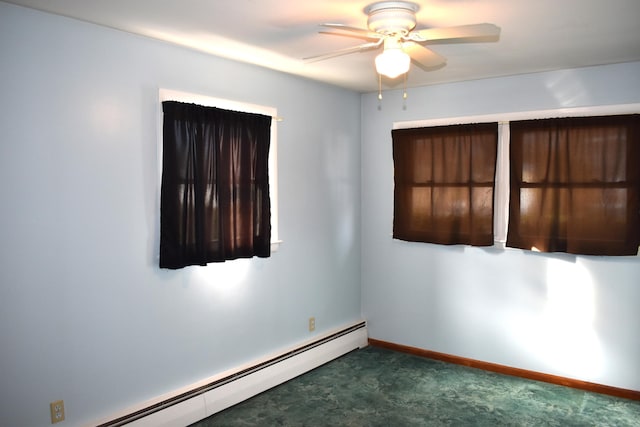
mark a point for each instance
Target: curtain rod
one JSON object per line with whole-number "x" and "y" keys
{"x": 208, "y": 101}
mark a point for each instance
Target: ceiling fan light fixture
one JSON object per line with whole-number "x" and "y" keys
{"x": 393, "y": 62}
{"x": 392, "y": 25}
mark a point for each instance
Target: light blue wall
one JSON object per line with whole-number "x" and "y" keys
{"x": 565, "y": 315}
{"x": 85, "y": 314}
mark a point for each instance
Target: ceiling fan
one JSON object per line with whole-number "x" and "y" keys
{"x": 391, "y": 25}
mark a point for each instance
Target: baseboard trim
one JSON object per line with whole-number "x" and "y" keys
{"x": 200, "y": 400}
{"x": 508, "y": 370}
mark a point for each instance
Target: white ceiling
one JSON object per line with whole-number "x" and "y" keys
{"x": 537, "y": 35}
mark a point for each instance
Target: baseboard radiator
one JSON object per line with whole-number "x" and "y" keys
{"x": 207, "y": 397}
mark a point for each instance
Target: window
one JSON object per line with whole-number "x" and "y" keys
{"x": 444, "y": 180}
{"x": 609, "y": 188}
{"x": 215, "y": 184}
{"x": 575, "y": 185}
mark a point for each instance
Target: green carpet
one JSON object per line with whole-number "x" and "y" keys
{"x": 379, "y": 387}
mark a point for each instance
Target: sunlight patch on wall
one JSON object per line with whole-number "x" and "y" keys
{"x": 222, "y": 280}
{"x": 567, "y": 88}
{"x": 564, "y": 337}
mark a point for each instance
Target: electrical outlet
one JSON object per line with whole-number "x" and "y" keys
{"x": 312, "y": 324}
{"x": 57, "y": 411}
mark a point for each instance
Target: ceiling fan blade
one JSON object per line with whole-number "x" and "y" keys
{"x": 346, "y": 51}
{"x": 461, "y": 33}
{"x": 360, "y": 31}
{"x": 352, "y": 35}
{"x": 423, "y": 57}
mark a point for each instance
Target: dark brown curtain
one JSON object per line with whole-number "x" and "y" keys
{"x": 575, "y": 185}
{"x": 444, "y": 179}
{"x": 215, "y": 185}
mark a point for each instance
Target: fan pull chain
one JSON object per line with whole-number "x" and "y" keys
{"x": 404, "y": 88}
{"x": 379, "y": 87}
{"x": 404, "y": 92}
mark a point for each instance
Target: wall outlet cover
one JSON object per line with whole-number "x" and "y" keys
{"x": 57, "y": 411}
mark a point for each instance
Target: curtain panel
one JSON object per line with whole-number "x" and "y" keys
{"x": 215, "y": 202}
{"x": 444, "y": 183}
{"x": 575, "y": 185}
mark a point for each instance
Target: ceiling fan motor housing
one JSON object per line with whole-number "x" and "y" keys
{"x": 392, "y": 17}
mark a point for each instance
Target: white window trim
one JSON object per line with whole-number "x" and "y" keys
{"x": 207, "y": 101}
{"x": 501, "y": 191}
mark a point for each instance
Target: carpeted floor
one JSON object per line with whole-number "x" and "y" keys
{"x": 378, "y": 387}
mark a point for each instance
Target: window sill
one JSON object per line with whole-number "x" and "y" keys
{"x": 275, "y": 245}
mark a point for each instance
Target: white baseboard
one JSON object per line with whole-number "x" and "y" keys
{"x": 207, "y": 397}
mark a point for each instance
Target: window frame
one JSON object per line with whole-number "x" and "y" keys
{"x": 501, "y": 191}
{"x": 226, "y": 104}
